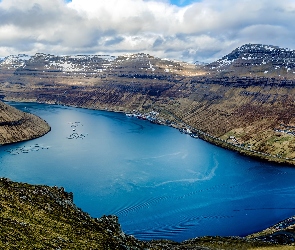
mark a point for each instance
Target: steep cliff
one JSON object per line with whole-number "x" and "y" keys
{"x": 42, "y": 217}
{"x": 18, "y": 126}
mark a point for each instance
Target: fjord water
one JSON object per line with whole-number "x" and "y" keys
{"x": 160, "y": 183}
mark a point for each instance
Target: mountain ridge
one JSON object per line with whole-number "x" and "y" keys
{"x": 261, "y": 59}
{"x": 237, "y": 103}
{"x": 265, "y": 56}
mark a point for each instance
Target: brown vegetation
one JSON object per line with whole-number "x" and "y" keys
{"x": 19, "y": 126}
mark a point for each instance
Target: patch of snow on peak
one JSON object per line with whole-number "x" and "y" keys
{"x": 224, "y": 62}
{"x": 65, "y": 66}
{"x": 15, "y": 60}
{"x": 151, "y": 66}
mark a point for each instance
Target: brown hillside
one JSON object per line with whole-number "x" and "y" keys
{"x": 244, "y": 101}
{"x": 18, "y": 126}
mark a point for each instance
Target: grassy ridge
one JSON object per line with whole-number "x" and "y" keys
{"x": 42, "y": 217}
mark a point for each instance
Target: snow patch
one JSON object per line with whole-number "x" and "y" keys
{"x": 15, "y": 61}
{"x": 151, "y": 66}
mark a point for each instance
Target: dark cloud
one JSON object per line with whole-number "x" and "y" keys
{"x": 158, "y": 42}
{"x": 114, "y": 41}
{"x": 203, "y": 30}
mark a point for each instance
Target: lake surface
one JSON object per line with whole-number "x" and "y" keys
{"x": 161, "y": 183}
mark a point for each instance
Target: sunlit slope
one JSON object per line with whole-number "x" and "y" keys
{"x": 19, "y": 126}
{"x": 244, "y": 101}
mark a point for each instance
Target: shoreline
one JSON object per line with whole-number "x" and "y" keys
{"x": 202, "y": 135}
{"x": 46, "y": 216}
{"x": 180, "y": 125}
{"x": 37, "y": 126}
{"x": 199, "y": 134}
{"x": 11, "y": 143}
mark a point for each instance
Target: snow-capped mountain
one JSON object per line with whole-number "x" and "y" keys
{"x": 257, "y": 59}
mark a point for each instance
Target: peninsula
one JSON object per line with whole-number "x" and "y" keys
{"x": 18, "y": 126}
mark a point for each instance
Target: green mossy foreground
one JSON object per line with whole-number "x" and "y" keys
{"x": 42, "y": 217}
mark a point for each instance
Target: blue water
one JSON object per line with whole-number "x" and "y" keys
{"x": 161, "y": 184}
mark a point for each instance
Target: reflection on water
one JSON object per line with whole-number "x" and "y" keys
{"x": 161, "y": 184}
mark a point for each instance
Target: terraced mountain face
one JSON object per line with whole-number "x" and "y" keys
{"x": 19, "y": 126}
{"x": 244, "y": 101}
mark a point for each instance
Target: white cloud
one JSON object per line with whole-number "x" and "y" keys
{"x": 204, "y": 30}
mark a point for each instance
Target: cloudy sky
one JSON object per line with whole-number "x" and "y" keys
{"x": 187, "y": 30}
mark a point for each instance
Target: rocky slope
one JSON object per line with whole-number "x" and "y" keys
{"x": 244, "y": 101}
{"x": 256, "y": 60}
{"x": 19, "y": 126}
{"x": 42, "y": 217}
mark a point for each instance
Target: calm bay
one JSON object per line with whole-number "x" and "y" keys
{"x": 159, "y": 182}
